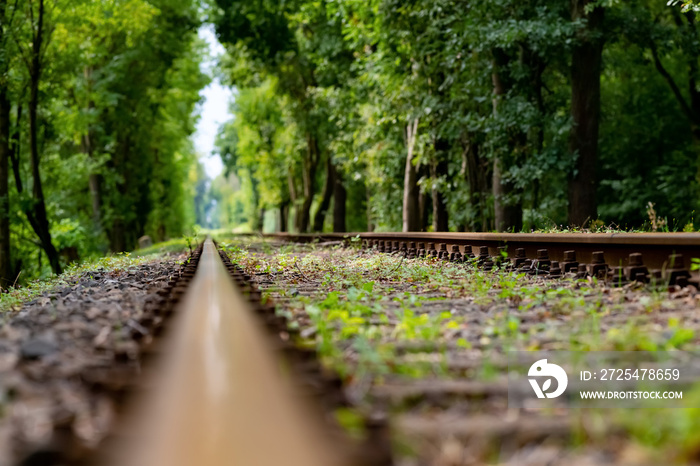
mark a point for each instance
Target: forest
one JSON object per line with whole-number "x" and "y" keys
{"x": 348, "y": 115}
{"x": 97, "y": 103}
{"x": 464, "y": 116}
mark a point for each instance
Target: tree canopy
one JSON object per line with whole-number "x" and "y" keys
{"x": 97, "y": 103}
{"x": 435, "y": 115}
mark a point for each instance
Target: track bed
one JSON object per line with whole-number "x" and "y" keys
{"x": 67, "y": 356}
{"x": 424, "y": 342}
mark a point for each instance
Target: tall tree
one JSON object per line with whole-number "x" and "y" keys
{"x": 326, "y": 195}
{"x": 411, "y": 213}
{"x": 339, "y": 202}
{"x": 34, "y": 60}
{"x": 5, "y": 125}
{"x": 586, "y": 59}
{"x": 507, "y": 211}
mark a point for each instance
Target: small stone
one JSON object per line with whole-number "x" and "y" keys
{"x": 92, "y": 313}
{"x": 145, "y": 242}
{"x": 138, "y": 328}
{"x": 36, "y": 348}
{"x": 308, "y": 332}
{"x": 101, "y": 339}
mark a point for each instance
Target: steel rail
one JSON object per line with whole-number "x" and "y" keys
{"x": 221, "y": 396}
{"x": 655, "y": 247}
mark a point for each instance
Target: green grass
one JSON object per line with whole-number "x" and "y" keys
{"x": 173, "y": 246}
{"x": 355, "y": 288}
{"x": 12, "y": 299}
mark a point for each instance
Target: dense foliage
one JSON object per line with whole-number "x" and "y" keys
{"x": 97, "y": 104}
{"x": 438, "y": 114}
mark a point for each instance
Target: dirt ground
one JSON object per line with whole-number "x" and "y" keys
{"x": 67, "y": 356}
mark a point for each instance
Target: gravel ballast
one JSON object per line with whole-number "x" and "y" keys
{"x": 67, "y": 358}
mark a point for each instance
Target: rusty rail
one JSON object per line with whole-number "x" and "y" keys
{"x": 221, "y": 396}
{"x": 665, "y": 255}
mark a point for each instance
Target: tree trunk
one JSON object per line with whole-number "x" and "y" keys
{"x": 508, "y": 215}
{"x": 326, "y": 195}
{"x": 536, "y": 83}
{"x": 96, "y": 198}
{"x": 356, "y": 218}
{"x": 368, "y": 210}
{"x": 41, "y": 222}
{"x": 440, "y": 217}
{"x": 93, "y": 184}
{"x": 258, "y": 212}
{"x": 425, "y": 206}
{"x": 284, "y": 216}
{"x": 15, "y": 150}
{"x": 304, "y": 214}
{"x": 411, "y": 217}
{"x": 339, "y": 203}
{"x": 476, "y": 176}
{"x": 425, "y": 201}
{"x": 293, "y": 207}
{"x": 585, "y": 112}
{"x": 507, "y": 212}
{"x": 308, "y": 179}
{"x": 118, "y": 227}
{"x": 439, "y": 168}
{"x": 117, "y": 241}
{"x": 6, "y": 278}
{"x": 93, "y": 179}
{"x": 261, "y": 219}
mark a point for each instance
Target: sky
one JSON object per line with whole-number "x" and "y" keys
{"x": 214, "y": 110}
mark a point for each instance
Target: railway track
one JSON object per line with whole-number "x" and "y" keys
{"x": 231, "y": 353}
{"x": 621, "y": 257}
{"x": 198, "y": 370}
{"x": 229, "y": 388}
{"x": 426, "y": 341}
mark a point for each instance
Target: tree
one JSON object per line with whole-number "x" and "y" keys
{"x": 255, "y": 144}
{"x": 411, "y": 213}
{"x": 5, "y": 126}
{"x": 585, "y": 110}
{"x": 301, "y": 46}
{"x": 93, "y": 151}
{"x": 34, "y": 59}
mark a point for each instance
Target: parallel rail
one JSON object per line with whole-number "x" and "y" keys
{"x": 617, "y": 247}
